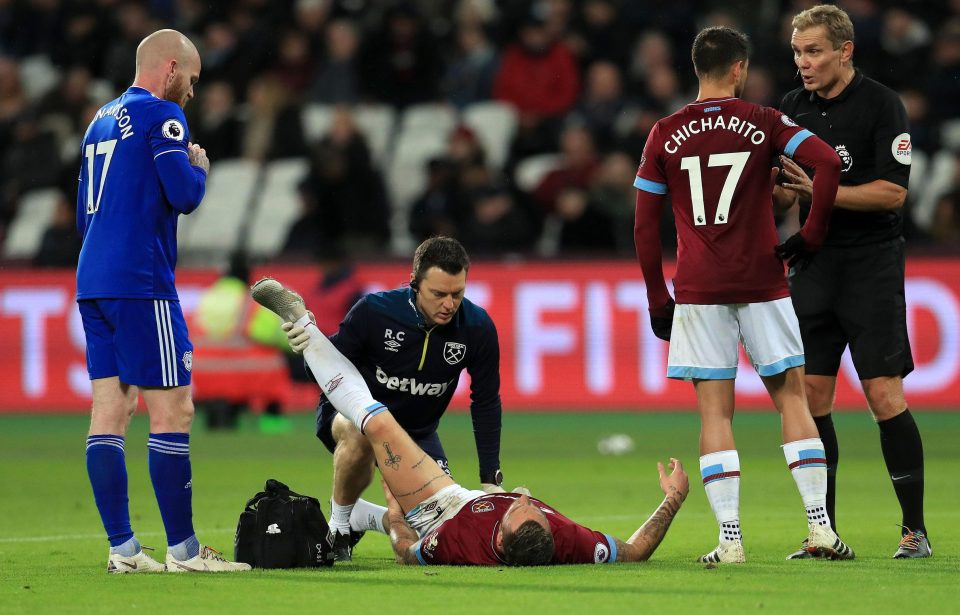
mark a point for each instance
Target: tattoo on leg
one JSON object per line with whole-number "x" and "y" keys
{"x": 391, "y": 460}
{"x": 419, "y": 463}
{"x": 422, "y": 487}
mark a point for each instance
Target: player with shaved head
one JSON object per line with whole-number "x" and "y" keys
{"x": 139, "y": 173}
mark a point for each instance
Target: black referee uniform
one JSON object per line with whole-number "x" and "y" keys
{"x": 852, "y": 292}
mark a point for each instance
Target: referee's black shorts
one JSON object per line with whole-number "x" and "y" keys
{"x": 854, "y": 295}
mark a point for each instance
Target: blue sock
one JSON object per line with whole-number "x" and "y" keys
{"x": 107, "y": 469}
{"x": 172, "y": 484}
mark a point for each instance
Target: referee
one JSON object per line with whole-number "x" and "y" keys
{"x": 851, "y": 292}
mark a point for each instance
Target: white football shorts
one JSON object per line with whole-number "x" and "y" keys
{"x": 442, "y": 505}
{"x": 704, "y": 339}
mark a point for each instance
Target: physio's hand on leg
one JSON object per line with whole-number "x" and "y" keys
{"x": 298, "y": 337}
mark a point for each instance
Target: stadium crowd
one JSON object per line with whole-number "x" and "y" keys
{"x": 586, "y": 80}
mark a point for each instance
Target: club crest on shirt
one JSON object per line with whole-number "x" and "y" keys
{"x": 172, "y": 129}
{"x": 429, "y": 543}
{"x": 454, "y": 352}
{"x": 846, "y": 160}
{"x": 188, "y": 360}
{"x": 482, "y": 506}
{"x": 902, "y": 148}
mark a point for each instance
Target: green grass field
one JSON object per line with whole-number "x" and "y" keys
{"x": 53, "y": 553}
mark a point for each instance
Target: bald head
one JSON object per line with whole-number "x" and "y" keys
{"x": 162, "y": 46}
{"x": 168, "y": 64}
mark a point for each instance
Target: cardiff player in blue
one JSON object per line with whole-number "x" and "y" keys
{"x": 411, "y": 345}
{"x": 139, "y": 173}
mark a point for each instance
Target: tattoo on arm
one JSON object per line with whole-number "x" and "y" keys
{"x": 419, "y": 463}
{"x": 392, "y": 460}
{"x": 649, "y": 536}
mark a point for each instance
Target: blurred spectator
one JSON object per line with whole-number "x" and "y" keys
{"x": 576, "y": 170}
{"x": 600, "y": 34}
{"x": 469, "y": 76}
{"x": 635, "y": 137}
{"x": 60, "y": 245}
{"x": 906, "y": 43}
{"x": 584, "y": 230}
{"x": 760, "y": 88}
{"x": 539, "y": 76}
{"x": 444, "y": 204}
{"x": 495, "y": 224}
{"x": 32, "y": 160}
{"x": 294, "y": 65}
{"x": 13, "y": 100}
{"x": 119, "y": 65}
{"x": 652, "y": 51}
{"x": 273, "y": 127}
{"x": 400, "y": 65}
{"x": 613, "y": 194}
{"x": 602, "y": 102}
{"x": 924, "y": 132}
{"x": 663, "y": 89}
{"x": 83, "y": 34}
{"x": 943, "y": 73}
{"x": 65, "y": 103}
{"x": 310, "y": 17}
{"x": 217, "y": 128}
{"x": 335, "y": 81}
{"x": 946, "y": 220}
{"x": 350, "y": 197}
{"x": 439, "y": 210}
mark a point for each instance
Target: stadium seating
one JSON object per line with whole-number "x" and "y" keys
{"x": 277, "y": 207}
{"x": 435, "y": 117}
{"x": 38, "y": 76}
{"x": 214, "y": 230}
{"x": 33, "y": 217}
{"x": 495, "y": 124}
{"x": 316, "y": 121}
{"x": 376, "y": 122}
{"x": 531, "y": 170}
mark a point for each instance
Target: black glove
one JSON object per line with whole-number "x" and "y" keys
{"x": 661, "y": 320}
{"x": 795, "y": 251}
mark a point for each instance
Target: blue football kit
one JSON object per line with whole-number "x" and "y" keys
{"x": 135, "y": 180}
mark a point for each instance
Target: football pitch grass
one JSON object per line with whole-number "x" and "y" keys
{"x": 53, "y": 553}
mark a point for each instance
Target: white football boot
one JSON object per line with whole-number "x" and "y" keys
{"x": 141, "y": 562}
{"x": 727, "y": 552}
{"x": 824, "y": 540}
{"x": 208, "y": 560}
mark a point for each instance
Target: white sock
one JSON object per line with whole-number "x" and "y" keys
{"x": 720, "y": 472}
{"x": 340, "y": 517}
{"x": 339, "y": 379}
{"x": 367, "y": 516}
{"x": 808, "y": 464}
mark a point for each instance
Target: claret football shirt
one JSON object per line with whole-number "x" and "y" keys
{"x": 468, "y": 538}
{"x": 714, "y": 159}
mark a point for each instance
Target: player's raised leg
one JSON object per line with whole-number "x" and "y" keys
{"x": 411, "y": 474}
{"x": 720, "y": 467}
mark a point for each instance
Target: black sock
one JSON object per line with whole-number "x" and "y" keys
{"x": 829, "y": 438}
{"x": 903, "y": 452}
